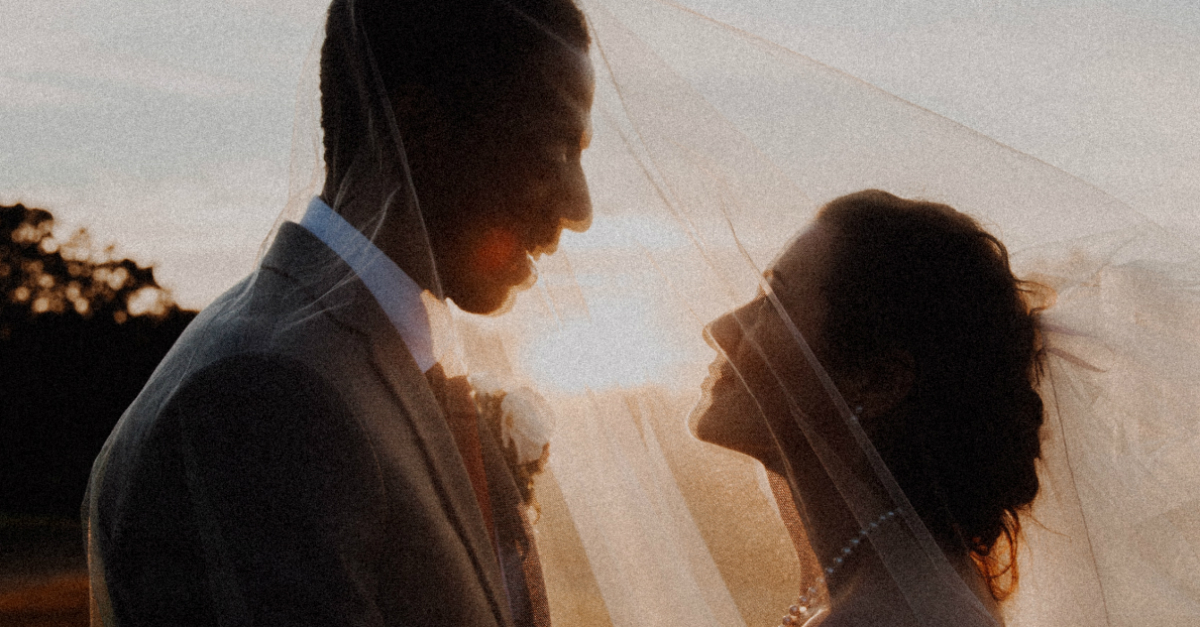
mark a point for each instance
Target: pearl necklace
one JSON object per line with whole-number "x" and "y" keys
{"x": 800, "y": 609}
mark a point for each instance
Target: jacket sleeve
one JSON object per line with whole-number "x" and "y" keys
{"x": 285, "y": 492}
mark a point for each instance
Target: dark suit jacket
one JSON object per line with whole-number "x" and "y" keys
{"x": 287, "y": 464}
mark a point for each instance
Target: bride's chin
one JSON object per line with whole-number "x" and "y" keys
{"x": 701, "y": 419}
{"x": 699, "y": 412}
{"x": 727, "y": 416}
{"x": 710, "y": 420}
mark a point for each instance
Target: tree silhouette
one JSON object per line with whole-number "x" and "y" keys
{"x": 80, "y": 333}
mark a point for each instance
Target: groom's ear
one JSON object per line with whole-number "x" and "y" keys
{"x": 419, "y": 114}
{"x": 883, "y": 385}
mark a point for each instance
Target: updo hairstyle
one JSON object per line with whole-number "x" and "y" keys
{"x": 922, "y": 280}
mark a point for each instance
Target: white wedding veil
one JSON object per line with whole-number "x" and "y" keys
{"x": 710, "y": 149}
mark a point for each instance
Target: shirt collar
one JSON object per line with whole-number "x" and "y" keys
{"x": 393, "y": 289}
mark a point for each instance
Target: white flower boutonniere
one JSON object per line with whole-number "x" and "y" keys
{"x": 524, "y": 423}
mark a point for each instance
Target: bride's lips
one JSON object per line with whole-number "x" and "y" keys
{"x": 718, "y": 370}
{"x": 700, "y": 420}
{"x": 714, "y": 373}
{"x": 715, "y": 379}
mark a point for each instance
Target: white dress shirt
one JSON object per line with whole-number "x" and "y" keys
{"x": 393, "y": 289}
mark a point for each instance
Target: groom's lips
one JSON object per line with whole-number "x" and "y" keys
{"x": 510, "y": 260}
{"x": 524, "y": 265}
{"x": 544, "y": 246}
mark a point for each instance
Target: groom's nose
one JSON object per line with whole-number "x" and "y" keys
{"x": 574, "y": 206}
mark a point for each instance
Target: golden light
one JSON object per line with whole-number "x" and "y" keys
{"x": 631, "y": 332}
{"x": 621, "y": 346}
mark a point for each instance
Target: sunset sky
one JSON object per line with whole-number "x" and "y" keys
{"x": 167, "y": 128}
{"x": 173, "y": 131}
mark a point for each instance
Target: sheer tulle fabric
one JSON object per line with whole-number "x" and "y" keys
{"x": 711, "y": 149}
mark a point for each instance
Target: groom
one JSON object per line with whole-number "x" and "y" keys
{"x": 299, "y": 458}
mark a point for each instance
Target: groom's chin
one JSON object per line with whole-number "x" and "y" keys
{"x": 495, "y": 303}
{"x": 492, "y": 295}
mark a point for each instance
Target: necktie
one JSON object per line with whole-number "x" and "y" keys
{"x": 454, "y": 395}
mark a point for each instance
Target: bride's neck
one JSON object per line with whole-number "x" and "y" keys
{"x": 831, "y": 528}
{"x": 828, "y": 523}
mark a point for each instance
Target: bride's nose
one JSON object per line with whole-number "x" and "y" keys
{"x": 724, "y": 333}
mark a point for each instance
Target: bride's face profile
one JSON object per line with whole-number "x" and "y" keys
{"x": 913, "y": 312}
{"x": 756, "y": 350}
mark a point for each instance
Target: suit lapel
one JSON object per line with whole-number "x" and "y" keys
{"x": 445, "y": 462}
{"x": 337, "y": 292}
{"x": 520, "y": 562}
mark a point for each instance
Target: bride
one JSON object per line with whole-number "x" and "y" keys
{"x": 913, "y": 313}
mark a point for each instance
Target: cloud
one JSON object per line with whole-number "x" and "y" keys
{"x": 22, "y": 93}
{"x": 44, "y": 61}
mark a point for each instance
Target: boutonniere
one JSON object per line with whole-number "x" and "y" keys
{"x": 524, "y": 423}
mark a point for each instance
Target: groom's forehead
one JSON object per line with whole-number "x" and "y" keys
{"x": 559, "y": 68}
{"x": 557, "y": 90}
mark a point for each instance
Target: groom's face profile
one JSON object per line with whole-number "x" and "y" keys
{"x": 490, "y": 104}
{"x": 509, "y": 183}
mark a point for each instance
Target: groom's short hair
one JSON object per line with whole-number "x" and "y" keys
{"x": 463, "y": 53}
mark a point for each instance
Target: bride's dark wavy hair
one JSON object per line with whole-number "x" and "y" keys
{"x": 927, "y": 281}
